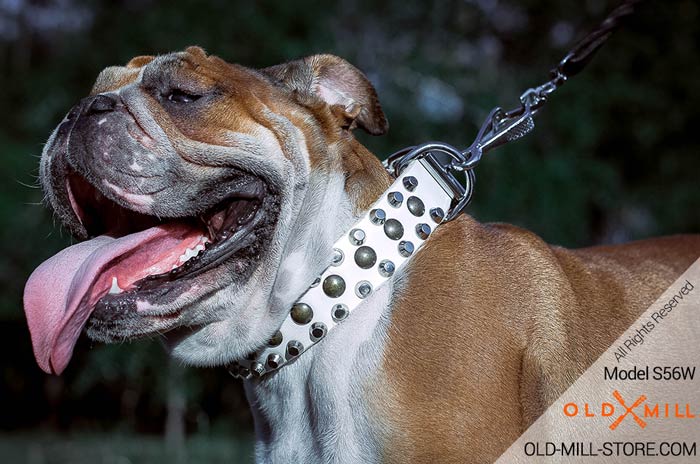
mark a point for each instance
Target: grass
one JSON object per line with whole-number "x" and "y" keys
{"x": 35, "y": 448}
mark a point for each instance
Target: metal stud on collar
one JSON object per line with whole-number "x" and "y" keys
{"x": 374, "y": 250}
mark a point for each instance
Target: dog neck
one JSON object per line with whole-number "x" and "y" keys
{"x": 334, "y": 196}
{"x": 317, "y": 408}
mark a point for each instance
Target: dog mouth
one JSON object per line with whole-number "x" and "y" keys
{"x": 127, "y": 280}
{"x": 207, "y": 238}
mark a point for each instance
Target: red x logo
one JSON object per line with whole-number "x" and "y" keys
{"x": 628, "y": 410}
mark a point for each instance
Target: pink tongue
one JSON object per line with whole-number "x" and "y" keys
{"x": 62, "y": 292}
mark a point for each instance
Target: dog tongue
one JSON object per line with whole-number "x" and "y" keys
{"x": 62, "y": 292}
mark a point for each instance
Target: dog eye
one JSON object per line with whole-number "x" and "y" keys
{"x": 178, "y": 96}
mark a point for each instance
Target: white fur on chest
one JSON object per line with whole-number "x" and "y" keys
{"x": 316, "y": 410}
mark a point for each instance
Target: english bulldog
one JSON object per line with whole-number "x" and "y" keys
{"x": 207, "y": 197}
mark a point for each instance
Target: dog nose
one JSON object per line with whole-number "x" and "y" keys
{"x": 100, "y": 104}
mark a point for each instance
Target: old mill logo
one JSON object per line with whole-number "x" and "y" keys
{"x": 640, "y": 410}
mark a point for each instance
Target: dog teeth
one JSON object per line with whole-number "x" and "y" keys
{"x": 115, "y": 289}
{"x": 187, "y": 255}
{"x": 191, "y": 252}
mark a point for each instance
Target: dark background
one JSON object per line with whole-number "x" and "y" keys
{"x": 614, "y": 157}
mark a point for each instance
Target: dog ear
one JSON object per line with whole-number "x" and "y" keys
{"x": 337, "y": 83}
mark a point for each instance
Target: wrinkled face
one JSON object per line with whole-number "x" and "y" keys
{"x": 186, "y": 177}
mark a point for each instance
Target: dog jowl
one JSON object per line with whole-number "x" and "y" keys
{"x": 184, "y": 176}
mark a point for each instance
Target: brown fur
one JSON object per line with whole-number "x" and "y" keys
{"x": 492, "y": 325}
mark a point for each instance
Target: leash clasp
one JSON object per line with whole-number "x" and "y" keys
{"x": 444, "y": 160}
{"x": 503, "y": 126}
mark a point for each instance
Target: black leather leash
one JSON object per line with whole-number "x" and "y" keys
{"x": 504, "y": 126}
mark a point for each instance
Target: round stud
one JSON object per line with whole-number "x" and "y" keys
{"x": 386, "y": 268}
{"x": 363, "y": 289}
{"x": 294, "y": 349}
{"x": 406, "y": 248}
{"x": 395, "y": 199}
{"x": 340, "y": 312}
{"x": 274, "y": 361}
{"x": 235, "y": 370}
{"x": 377, "y": 216}
{"x": 393, "y": 229}
{"x": 276, "y": 339}
{"x": 415, "y": 206}
{"x": 316, "y": 282}
{"x": 302, "y": 313}
{"x": 333, "y": 286}
{"x": 257, "y": 369}
{"x": 410, "y": 183}
{"x": 437, "y": 215}
{"x": 365, "y": 257}
{"x": 318, "y": 331}
{"x": 357, "y": 236}
{"x": 422, "y": 231}
{"x": 338, "y": 257}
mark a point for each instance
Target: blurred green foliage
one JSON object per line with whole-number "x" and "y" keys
{"x": 613, "y": 156}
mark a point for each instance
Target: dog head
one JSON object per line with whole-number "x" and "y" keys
{"x": 208, "y": 196}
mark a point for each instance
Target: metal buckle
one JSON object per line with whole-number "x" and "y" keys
{"x": 441, "y": 160}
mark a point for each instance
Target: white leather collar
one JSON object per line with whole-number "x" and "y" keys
{"x": 376, "y": 247}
